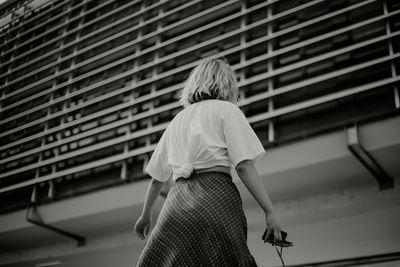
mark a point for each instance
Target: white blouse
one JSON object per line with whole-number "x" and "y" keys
{"x": 203, "y": 135}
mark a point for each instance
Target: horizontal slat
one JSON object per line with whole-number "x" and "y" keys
{"x": 281, "y": 70}
{"x": 134, "y": 56}
{"x": 307, "y": 82}
{"x": 89, "y": 118}
{"x": 253, "y": 119}
{"x": 109, "y": 143}
{"x": 152, "y": 64}
{"x": 325, "y": 56}
{"x": 75, "y": 30}
{"x": 112, "y": 51}
{"x": 175, "y": 105}
{"x": 118, "y": 107}
{"x": 45, "y": 23}
{"x": 245, "y": 102}
{"x": 83, "y": 167}
{"x": 372, "y": 84}
{"x": 322, "y": 99}
{"x": 31, "y": 19}
{"x": 89, "y": 48}
{"x": 83, "y": 37}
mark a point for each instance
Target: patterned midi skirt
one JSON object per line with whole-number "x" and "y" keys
{"x": 201, "y": 223}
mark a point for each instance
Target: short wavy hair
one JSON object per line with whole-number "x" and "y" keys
{"x": 212, "y": 78}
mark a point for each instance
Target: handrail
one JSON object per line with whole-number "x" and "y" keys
{"x": 243, "y": 102}
{"x": 152, "y": 79}
{"x": 253, "y": 119}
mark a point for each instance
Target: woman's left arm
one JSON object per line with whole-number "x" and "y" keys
{"x": 143, "y": 224}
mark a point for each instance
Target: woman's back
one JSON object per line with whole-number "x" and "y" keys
{"x": 205, "y": 134}
{"x": 196, "y": 135}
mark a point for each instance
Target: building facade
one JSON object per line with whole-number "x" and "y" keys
{"x": 88, "y": 87}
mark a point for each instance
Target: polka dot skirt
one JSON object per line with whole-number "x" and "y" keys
{"x": 201, "y": 223}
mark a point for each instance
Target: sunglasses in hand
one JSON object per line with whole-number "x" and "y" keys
{"x": 283, "y": 243}
{"x": 280, "y": 243}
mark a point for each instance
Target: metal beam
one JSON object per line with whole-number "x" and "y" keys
{"x": 33, "y": 217}
{"x": 366, "y": 159}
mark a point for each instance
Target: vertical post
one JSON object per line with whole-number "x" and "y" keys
{"x": 12, "y": 54}
{"x": 33, "y": 195}
{"x": 390, "y": 47}
{"x": 3, "y": 91}
{"x": 124, "y": 166}
{"x": 136, "y": 65}
{"x": 242, "y": 75}
{"x": 271, "y": 129}
{"x": 50, "y": 192}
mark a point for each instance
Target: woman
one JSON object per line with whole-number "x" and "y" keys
{"x": 202, "y": 222}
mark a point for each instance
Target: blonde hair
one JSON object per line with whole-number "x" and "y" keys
{"x": 211, "y": 79}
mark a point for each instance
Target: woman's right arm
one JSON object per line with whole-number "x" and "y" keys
{"x": 252, "y": 180}
{"x": 143, "y": 224}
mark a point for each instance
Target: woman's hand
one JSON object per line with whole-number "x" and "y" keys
{"x": 142, "y": 226}
{"x": 273, "y": 227}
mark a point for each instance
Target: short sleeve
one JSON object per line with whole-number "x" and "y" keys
{"x": 241, "y": 140}
{"x": 158, "y": 167}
